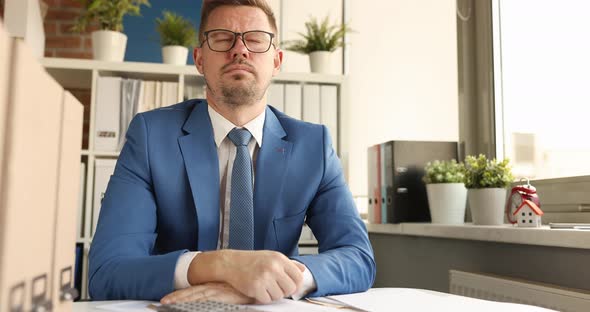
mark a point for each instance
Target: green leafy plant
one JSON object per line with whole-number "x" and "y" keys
{"x": 481, "y": 172}
{"x": 319, "y": 37}
{"x": 108, "y": 13}
{"x": 444, "y": 172}
{"x": 176, "y": 30}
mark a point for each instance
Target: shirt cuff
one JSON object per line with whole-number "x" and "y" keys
{"x": 181, "y": 271}
{"x": 307, "y": 286}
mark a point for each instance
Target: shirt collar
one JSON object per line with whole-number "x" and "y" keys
{"x": 222, "y": 126}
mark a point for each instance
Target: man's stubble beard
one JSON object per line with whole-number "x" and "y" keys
{"x": 238, "y": 95}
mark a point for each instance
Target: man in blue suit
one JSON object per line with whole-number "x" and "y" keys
{"x": 208, "y": 198}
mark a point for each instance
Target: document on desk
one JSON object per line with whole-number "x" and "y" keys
{"x": 288, "y": 305}
{"x": 129, "y": 306}
{"x": 408, "y": 299}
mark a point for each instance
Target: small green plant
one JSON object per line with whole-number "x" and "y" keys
{"x": 174, "y": 29}
{"x": 481, "y": 172}
{"x": 319, "y": 37}
{"x": 444, "y": 172}
{"x": 108, "y": 13}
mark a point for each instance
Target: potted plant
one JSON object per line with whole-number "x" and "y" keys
{"x": 447, "y": 195}
{"x": 319, "y": 41}
{"x": 176, "y": 35}
{"x": 486, "y": 181}
{"x": 108, "y": 43}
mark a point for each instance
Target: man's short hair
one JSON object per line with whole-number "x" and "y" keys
{"x": 211, "y": 5}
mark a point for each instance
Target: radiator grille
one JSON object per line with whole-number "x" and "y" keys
{"x": 498, "y": 288}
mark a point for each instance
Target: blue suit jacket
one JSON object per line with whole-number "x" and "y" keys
{"x": 163, "y": 199}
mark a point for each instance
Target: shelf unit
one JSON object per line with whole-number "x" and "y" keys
{"x": 83, "y": 74}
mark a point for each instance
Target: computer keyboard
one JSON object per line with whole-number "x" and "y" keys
{"x": 210, "y": 306}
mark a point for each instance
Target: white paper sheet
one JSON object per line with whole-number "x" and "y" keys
{"x": 128, "y": 306}
{"x": 408, "y": 299}
{"x": 287, "y": 305}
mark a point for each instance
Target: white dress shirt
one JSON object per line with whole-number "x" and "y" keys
{"x": 226, "y": 151}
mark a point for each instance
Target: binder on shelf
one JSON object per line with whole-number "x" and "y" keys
{"x": 158, "y": 95}
{"x": 404, "y": 192}
{"x": 276, "y": 96}
{"x": 377, "y": 185}
{"x": 383, "y": 184}
{"x": 141, "y": 97}
{"x": 80, "y": 214}
{"x": 171, "y": 97}
{"x": 5, "y": 85}
{"x": 192, "y": 91}
{"x": 311, "y": 103}
{"x": 63, "y": 291}
{"x": 5, "y": 60}
{"x": 130, "y": 89}
{"x": 149, "y": 99}
{"x": 108, "y": 103}
{"x": 374, "y": 192}
{"x": 371, "y": 173}
{"x": 293, "y": 100}
{"x": 103, "y": 169}
{"x": 78, "y": 264}
{"x": 35, "y": 122}
{"x": 387, "y": 189}
{"x": 329, "y": 111}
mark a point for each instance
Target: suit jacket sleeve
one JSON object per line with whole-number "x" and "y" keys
{"x": 345, "y": 262}
{"x": 122, "y": 262}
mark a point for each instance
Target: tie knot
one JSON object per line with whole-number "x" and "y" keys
{"x": 240, "y": 137}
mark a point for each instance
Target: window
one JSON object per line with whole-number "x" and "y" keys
{"x": 542, "y": 76}
{"x": 524, "y": 68}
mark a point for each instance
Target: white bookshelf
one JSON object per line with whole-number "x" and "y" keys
{"x": 83, "y": 74}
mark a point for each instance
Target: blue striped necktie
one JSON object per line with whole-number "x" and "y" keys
{"x": 241, "y": 222}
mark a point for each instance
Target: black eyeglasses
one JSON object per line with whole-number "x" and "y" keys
{"x": 223, "y": 40}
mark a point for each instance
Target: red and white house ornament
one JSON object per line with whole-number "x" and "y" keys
{"x": 523, "y": 207}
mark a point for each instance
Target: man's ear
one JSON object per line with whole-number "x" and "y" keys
{"x": 278, "y": 61}
{"x": 198, "y": 59}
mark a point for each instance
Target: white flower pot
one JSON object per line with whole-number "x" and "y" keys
{"x": 487, "y": 205}
{"x": 108, "y": 45}
{"x": 174, "y": 55}
{"x": 319, "y": 62}
{"x": 447, "y": 202}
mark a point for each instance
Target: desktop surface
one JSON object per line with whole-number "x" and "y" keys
{"x": 375, "y": 300}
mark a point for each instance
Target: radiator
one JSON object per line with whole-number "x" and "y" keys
{"x": 505, "y": 289}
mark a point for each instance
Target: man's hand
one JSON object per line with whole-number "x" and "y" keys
{"x": 220, "y": 292}
{"x": 263, "y": 275}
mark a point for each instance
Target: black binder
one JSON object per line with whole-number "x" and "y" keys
{"x": 405, "y": 197}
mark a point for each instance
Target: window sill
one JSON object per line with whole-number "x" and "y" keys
{"x": 543, "y": 236}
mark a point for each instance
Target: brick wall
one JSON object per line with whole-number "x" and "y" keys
{"x": 60, "y": 41}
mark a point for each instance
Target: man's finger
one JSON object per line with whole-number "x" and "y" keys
{"x": 287, "y": 285}
{"x": 275, "y": 291}
{"x": 180, "y": 294}
{"x": 299, "y": 265}
{"x": 295, "y": 273}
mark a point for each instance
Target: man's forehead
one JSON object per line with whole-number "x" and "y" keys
{"x": 238, "y": 18}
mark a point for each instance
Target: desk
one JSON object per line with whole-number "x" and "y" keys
{"x": 377, "y": 300}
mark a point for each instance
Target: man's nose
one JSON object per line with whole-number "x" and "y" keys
{"x": 239, "y": 48}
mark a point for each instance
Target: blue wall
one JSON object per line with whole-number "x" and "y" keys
{"x": 143, "y": 42}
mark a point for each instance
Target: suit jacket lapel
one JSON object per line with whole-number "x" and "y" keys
{"x": 271, "y": 165}
{"x": 202, "y": 166}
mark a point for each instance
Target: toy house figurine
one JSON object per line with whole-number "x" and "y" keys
{"x": 528, "y": 214}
